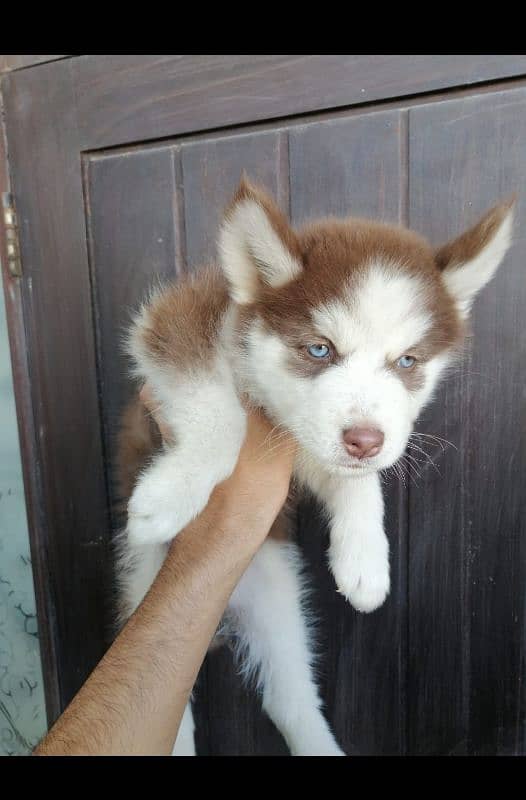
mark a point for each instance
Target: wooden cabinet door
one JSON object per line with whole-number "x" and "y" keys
{"x": 120, "y": 168}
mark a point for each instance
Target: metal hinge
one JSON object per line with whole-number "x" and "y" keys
{"x": 11, "y": 236}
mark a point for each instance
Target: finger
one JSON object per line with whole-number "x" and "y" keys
{"x": 146, "y": 398}
{"x": 152, "y": 406}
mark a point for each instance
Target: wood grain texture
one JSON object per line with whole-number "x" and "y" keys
{"x": 132, "y": 98}
{"x": 72, "y": 525}
{"x": 348, "y": 166}
{"x": 342, "y": 167}
{"x": 133, "y": 246}
{"x": 9, "y": 63}
{"x": 467, "y": 525}
{"x": 211, "y": 171}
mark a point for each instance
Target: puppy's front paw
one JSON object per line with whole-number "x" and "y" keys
{"x": 153, "y": 513}
{"x": 166, "y": 498}
{"x": 363, "y": 580}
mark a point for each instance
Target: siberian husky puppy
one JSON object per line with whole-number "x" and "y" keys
{"x": 339, "y": 331}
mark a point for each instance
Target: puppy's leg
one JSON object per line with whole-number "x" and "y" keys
{"x": 209, "y": 425}
{"x": 185, "y": 744}
{"x": 359, "y": 550}
{"x": 266, "y": 613}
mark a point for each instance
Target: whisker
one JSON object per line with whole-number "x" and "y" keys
{"x": 271, "y": 449}
{"x": 428, "y": 457}
{"x": 274, "y": 439}
{"x": 435, "y": 437}
{"x": 418, "y": 460}
{"x": 410, "y": 475}
{"x": 414, "y": 465}
{"x": 399, "y": 473}
{"x": 268, "y": 453}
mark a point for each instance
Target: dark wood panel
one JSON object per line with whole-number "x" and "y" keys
{"x": 132, "y": 213}
{"x": 133, "y": 98}
{"x": 69, "y": 467}
{"x": 467, "y": 525}
{"x": 349, "y": 166}
{"x": 9, "y": 63}
{"x": 356, "y": 166}
{"x": 211, "y": 171}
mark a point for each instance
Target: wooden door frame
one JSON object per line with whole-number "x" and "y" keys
{"x": 10, "y": 63}
{"x": 55, "y": 112}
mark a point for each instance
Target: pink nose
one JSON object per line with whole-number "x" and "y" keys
{"x": 363, "y": 442}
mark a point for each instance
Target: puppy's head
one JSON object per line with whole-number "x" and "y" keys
{"x": 346, "y": 325}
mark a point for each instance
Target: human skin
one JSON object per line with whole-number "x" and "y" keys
{"x": 133, "y": 701}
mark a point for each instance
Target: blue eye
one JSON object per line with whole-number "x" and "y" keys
{"x": 318, "y": 350}
{"x": 406, "y": 362}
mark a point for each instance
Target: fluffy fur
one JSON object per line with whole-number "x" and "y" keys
{"x": 366, "y": 295}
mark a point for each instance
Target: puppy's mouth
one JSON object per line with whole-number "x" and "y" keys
{"x": 349, "y": 464}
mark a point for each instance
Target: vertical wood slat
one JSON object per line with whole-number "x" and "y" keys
{"x": 229, "y": 719}
{"x": 211, "y": 171}
{"x": 467, "y": 535}
{"x": 133, "y": 247}
{"x": 69, "y": 468}
{"x": 342, "y": 167}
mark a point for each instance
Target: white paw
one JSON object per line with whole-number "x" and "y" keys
{"x": 163, "y": 502}
{"x": 151, "y": 529}
{"x": 363, "y": 580}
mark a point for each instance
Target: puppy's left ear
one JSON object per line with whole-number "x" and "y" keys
{"x": 257, "y": 246}
{"x": 469, "y": 262}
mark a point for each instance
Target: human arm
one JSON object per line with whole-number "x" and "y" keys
{"x": 133, "y": 701}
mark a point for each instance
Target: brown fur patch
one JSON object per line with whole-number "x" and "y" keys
{"x": 303, "y": 364}
{"x": 468, "y": 246}
{"x": 280, "y": 530}
{"x": 335, "y": 254}
{"x": 183, "y": 321}
{"x": 137, "y": 441}
{"x": 412, "y": 378}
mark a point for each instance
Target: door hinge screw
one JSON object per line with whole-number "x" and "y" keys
{"x": 11, "y": 236}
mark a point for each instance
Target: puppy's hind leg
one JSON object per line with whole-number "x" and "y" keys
{"x": 209, "y": 426}
{"x": 266, "y": 615}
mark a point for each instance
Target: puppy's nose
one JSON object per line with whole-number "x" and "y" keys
{"x": 363, "y": 442}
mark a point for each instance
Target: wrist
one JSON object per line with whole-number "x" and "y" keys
{"x": 223, "y": 539}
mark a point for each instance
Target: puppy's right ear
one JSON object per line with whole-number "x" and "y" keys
{"x": 257, "y": 246}
{"x": 469, "y": 262}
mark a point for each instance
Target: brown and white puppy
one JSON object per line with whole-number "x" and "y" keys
{"x": 340, "y": 331}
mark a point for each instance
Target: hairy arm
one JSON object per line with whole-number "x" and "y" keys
{"x": 133, "y": 701}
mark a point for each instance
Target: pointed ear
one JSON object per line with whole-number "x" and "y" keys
{"x": 257, "y": 246}
{"x": 469, "y": 262}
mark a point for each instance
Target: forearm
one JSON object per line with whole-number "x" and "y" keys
{"x": 133, "y": 702}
